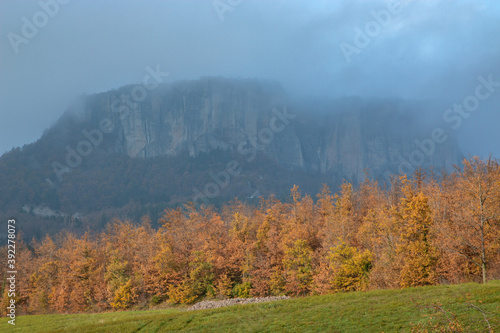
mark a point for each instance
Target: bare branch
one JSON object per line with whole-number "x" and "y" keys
{"x": 484, "y": 315}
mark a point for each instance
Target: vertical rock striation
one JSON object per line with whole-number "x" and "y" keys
{"x": 341, "y": 139}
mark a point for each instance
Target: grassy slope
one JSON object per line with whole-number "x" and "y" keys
{"x": 374, "y": 311}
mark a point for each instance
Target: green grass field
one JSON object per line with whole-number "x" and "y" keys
{"x": 374, "y": 311}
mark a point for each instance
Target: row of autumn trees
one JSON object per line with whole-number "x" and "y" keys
{"x": 425, "y": 230}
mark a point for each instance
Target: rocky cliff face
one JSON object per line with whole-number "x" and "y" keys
{"x": 339, "y": 139}
{"x": 381, "y": 137}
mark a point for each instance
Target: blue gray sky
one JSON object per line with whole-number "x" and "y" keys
{"x": 53, "y": 51}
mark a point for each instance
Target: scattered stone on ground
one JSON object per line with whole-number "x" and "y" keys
{"x": 212, "y": 304}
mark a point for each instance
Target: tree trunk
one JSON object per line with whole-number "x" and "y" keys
{"x": 483, "y": 266}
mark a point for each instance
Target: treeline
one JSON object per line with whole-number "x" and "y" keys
{"x": 112, "y": 183}
{"x": 430, "y": 229}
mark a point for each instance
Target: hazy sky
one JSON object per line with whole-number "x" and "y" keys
{"x": 421, "y": 49}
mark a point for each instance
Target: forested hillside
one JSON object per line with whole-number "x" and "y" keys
{"x": 425, "y": 230}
